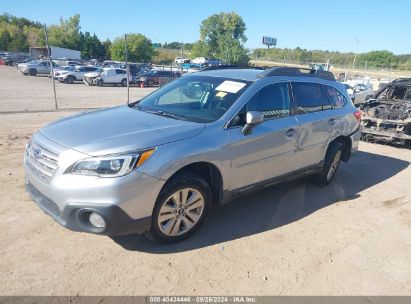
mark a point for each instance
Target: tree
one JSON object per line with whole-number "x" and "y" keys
{"x": 66, "y": 34}
{"x": 4, "y": 38}
{"x": 139, "y": 48}
{"x": 107, "y": 45}
{"x": 91, "y": 47}
{"x": 222, "y": 35}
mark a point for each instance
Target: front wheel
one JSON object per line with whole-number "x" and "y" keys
{"x": 331, "y": 162}
{"x": 99, "y": 83}
{"x": 33, "y": 72}
{"x": 180, "y": 208}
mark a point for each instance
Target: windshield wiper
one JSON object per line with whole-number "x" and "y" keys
{"x": 162, "y": 113}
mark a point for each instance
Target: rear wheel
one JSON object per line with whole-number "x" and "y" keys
{"x": 33, "y": 72}
{"x": 180, "y": 208}
{"x": 331, "y": 162}
{"x": 124, "y": 82}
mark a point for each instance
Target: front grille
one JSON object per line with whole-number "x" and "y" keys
{"x": 41, "y": 160}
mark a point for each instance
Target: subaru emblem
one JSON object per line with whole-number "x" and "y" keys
{"x": 37, "y": 153}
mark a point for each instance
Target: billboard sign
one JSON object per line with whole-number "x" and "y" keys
{"x": 269, "y": 41}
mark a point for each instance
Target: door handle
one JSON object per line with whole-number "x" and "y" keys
{"x": 331, "y": 122}
{"x": 290, "y": 133}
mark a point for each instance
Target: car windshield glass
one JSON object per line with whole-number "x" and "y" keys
{"x": 194, "y": 98}
{"x": 395, "y": 93}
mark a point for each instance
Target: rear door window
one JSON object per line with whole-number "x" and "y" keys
{"x": 309, "y": 97}
{"x": 336, "y": 98}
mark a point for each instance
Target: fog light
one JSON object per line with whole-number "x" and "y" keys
{"x": 97, "y": 220}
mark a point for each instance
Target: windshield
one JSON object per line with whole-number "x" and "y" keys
{"x": 194, "y": 98}
{"x": 395, "y": 93}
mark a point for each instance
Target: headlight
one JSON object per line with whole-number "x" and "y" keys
{"x": 111, "y": 166}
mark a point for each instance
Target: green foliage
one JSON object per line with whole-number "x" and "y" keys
{"x": 165, "y": 56}
{"x": 66, "y": 34}
{"x": 222, "y": 36}
{"x": 91, "y": 47}
{"x": 107, "y": 45}
{"x": 17, "y": 34}
{"x": 379, "y": 59}
{"x": 139, "y": 48}
{"x": 373, "y": 59}
{"x": 177, "y": 46}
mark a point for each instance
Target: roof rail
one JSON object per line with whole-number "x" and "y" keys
{"x": 229, "y": 66}
{"x": 287, "y": 71}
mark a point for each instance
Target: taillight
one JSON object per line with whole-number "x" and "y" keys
{"x": 358, "y": 115}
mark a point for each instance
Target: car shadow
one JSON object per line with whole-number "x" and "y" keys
{"x": 278, "y": 205}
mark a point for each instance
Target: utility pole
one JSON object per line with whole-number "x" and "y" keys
{"x": 127, "y": 69}
{"x": 51, "y": 66}
{"x": 182, "y": 61}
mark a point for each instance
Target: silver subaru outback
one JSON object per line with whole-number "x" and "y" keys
{"x": 156, "y": 166}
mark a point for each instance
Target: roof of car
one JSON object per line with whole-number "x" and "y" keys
{"x": 243, "y": 74}
{"x": 401, "y": 82}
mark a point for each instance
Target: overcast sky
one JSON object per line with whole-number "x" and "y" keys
{"x": 349, "y": 25}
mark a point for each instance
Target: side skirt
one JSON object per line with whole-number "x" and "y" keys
{"x": 228, "y": 196}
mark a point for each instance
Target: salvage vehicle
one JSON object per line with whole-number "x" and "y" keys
{"x": 112, "y": 76}
{"x": 359, "y": 93}
{"x": 62, "y": 69}
{"x": 156, "y": 78}
{"x": 35, "y": 67}
{"x": 387, "y": 117}
{"x": 157, "y": 165}
{"x": 76, "y": 74}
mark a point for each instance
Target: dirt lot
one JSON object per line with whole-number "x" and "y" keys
{"x": 352, "y": 237}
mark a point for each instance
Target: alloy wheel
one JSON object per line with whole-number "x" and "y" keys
{"x": 180, "y": 212}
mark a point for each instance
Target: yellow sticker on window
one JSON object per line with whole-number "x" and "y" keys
{"x": 221, "y": 94}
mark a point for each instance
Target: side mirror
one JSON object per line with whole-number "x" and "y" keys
{"x": 253, "y": 118}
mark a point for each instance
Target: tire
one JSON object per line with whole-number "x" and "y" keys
{"x": 33, "y": 72}
{"x": 99, "y": 83}
{"x": 124, "y": 82}
{"x": 331, "y": 163}
{"x": 70, "y": 79}
{"x": 188, "y": 213}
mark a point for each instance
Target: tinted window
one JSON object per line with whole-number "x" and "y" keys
{"x": 273, "y": 101}
{"x": 337, "y": 99}
{"x": 120, "y": 72}
{"x": 309, "y": 97}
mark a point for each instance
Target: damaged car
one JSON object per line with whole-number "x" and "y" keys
{"x": 387, "y": 117}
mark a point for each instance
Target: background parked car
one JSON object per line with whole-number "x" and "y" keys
{"x": 69, "y": 76}
{"x": 62, "y": 69}
{"x": 180, "y": 60}
{"x": 157, "y": 78}
{"x": 111, "y": 76}
{"x": 35, "y": 67}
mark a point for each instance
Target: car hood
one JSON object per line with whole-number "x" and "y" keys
{"x": 92, "y": 74}
{"x": 118, "y": 130}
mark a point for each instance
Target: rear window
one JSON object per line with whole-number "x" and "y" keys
{"x": 336, "y": 98}
{"x": 309, "y": 97}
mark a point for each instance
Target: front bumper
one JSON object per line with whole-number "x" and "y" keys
{"x": 72, "y": 216}
{"x": 126, "y": 203}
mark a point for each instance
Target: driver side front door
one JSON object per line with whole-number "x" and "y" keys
{"x": 268, "y": 151}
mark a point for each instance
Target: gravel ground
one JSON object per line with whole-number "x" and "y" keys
{"x": 352, "y": 237}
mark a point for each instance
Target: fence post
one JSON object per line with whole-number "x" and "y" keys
{"x": 51, "y": 67}
{"x": 127, "y": 69}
